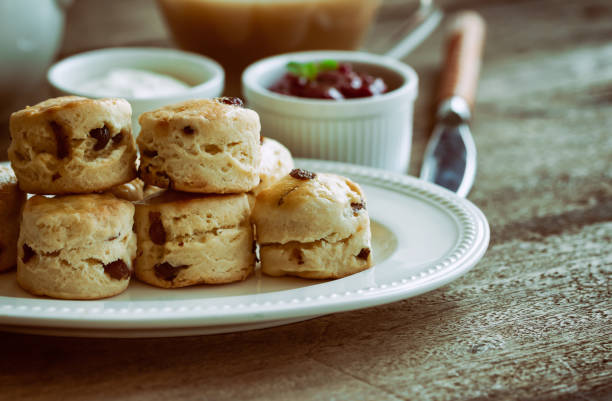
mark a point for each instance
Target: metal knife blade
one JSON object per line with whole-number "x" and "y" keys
{"x": 450, "y": 156}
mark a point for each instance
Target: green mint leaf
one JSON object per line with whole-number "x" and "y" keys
{"x": 294, "y": 68}
{"x": 328, "y": 65}
{"x": 310, "y": 70}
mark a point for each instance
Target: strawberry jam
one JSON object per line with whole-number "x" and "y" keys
{"x": 340, "y": 83}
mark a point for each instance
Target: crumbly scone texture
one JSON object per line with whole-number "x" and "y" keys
{"x": 200, "y": 146}
{"x": 276, "y": 162}
{"x": 11, "y": 203}
{"x": 76, "y": 246}
{"x": 132, "y": 191}
{"x": 72, "y": 144}
{"x": 328, "y": 207}
{"x": 319, "y": 259}
{"x": 187, "y": 239}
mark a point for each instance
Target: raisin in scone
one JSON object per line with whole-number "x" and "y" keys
{"x": 276, "y": 162}
{"x": 11, "y": 202}
{"x": 314, "y": 226}
{"x": 76, "y": 246}
{"x": 201, "y": 146}
{"x": 72, "y": 144}
{"x": 187, "y": 239}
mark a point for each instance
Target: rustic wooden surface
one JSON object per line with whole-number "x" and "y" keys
{"x": 530, "y": 322}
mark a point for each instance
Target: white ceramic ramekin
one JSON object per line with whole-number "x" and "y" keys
{"x": 374, "y": 131}
{"x": 205, "y": 76}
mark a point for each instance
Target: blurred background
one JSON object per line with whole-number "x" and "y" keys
{"x": 524, "y": 39}
{"x": 235, "y": 33}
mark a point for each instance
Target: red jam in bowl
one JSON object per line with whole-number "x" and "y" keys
{"x": 340, "y": 83}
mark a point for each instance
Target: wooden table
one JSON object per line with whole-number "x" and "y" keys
{"x": 530, "y": 321}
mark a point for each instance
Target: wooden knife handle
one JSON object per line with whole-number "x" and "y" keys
{"x": 463, "y": 57}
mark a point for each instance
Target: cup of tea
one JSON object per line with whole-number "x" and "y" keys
{"x": 238, "y": 32}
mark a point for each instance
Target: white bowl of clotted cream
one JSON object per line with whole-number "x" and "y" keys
{"x": 148, "y": 78}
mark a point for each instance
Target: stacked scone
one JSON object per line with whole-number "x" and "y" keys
{"x": 210, "y": 151}
{"x": 208, "y": 185}
{"x": 77, "y": 244}
{"x": 313, "y": 225}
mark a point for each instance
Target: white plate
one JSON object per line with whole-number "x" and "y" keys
{"x": 423, "y": 237}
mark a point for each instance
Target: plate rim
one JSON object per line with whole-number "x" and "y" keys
{"x": 474, "y": 235}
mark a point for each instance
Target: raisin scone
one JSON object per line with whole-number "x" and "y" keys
{"x": 11, "y": 202}
{"x": 187, "y": 239}
{"x": 201, "y": 146}
{"x": 313, "y": 226}
{"x": 76, "y": 246}
{"x": 276, "y": 162}
{"x": 72, "y": 144}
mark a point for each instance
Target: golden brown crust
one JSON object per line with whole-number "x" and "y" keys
{"x": 72, "y": 144}
{"x": 187, "y": 239}
{"x": 76, "y": 246}
{"x": 200, "y": 146}
{"x": 207, "y": 109}
{"x": 313, "y": 225}
{"x": 319, "y": 259}
{"x": 74, "y": 220}
{"x": 309, "y": 210}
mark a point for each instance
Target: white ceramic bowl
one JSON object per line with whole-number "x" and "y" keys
{"x": 205, "y": 76}
{"x": 373, "y": 131}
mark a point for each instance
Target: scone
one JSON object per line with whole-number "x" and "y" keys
{"x": 11, "y": 202}
{"x": 72, "y": 144}
{"x": 132, "y": 191}
{"x": 276, "y": 162}
{"x": 201, "y": 146}
{"x": 314, "y": 226}
{"x": 76, "y": 246}
{"x": 186, "y": 239}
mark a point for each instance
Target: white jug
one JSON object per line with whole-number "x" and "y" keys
{"x": 30, "y": 35}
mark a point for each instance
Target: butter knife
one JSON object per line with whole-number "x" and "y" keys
{"x": 450, "y": 155}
